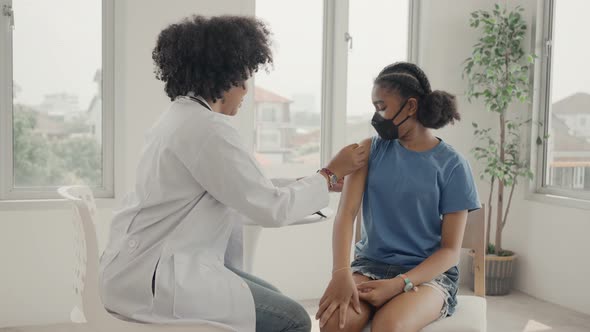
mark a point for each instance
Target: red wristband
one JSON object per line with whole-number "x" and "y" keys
{"x": 332, "y": 178}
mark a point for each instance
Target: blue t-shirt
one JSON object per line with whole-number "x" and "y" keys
{"x": 406, "y": 195}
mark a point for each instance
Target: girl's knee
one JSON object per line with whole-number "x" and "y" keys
{"x": 354, "y": 323}
{"x": 330, "y": 326}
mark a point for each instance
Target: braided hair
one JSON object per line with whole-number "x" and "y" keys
{"x": 436, "y": 109}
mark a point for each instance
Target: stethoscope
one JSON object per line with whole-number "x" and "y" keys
{"x": 200, "y": 101}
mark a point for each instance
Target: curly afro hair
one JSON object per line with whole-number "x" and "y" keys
{"x": 207, "y": 56}
{"x": 436, "y": 109}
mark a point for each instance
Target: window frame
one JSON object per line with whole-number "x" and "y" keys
{"x": 335, "y": 70}
{"x": 7, "y": 190}
{"x": 542, "y": 98}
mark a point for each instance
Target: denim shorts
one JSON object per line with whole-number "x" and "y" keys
{"x": 446, "y": 284}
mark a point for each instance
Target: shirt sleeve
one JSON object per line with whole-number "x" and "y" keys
{"x": 282, "y": 182}
{"x": 460, "y": 192}
{"x": 226, "y": 170}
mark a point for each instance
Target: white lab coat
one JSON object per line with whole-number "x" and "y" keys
{"x": 196, "y": 182}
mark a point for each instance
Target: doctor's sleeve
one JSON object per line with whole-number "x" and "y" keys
{"x": 226, "y": 169}
{"x": 280, "y": 182}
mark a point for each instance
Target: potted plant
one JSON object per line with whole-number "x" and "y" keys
{"x": 498, "y": 74}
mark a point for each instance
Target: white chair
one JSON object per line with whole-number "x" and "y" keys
{"x": 470, "y": 314}
{"x": 90, "y": 309}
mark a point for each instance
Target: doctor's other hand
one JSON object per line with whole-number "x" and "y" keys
{"x": 348, "y": 160}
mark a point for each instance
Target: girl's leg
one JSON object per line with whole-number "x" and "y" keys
{"x": 409, "y": 312}
{"x": 354, "y": 321}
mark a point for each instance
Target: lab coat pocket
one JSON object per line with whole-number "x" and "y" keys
{"x": 108, "y": 257}
{"x": 105, "y": 261}
{"x": 200, "y": 289}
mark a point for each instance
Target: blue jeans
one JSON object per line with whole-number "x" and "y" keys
{"x": 275, "y": 312}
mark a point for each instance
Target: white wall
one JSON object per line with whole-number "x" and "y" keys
{"x": 36, "y": 287}
{"x": 551, "y": 240}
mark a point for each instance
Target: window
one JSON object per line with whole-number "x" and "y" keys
{"x": 267, "y": 115}
{"x": 288, "y": 123}
{"x": 269, "y": 141}
{"x": 322, "y": 96}
{"x": 565, "y": 102}
{"x": 368, "y": 54}
{"x": 579, "y": 177}
{"x": 56, "y": 123}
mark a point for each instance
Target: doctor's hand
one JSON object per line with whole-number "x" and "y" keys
{"x": 338, "y": 296}
{"x": 348, "y": 160}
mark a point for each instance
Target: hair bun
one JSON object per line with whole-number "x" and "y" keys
{"x": 438, "y": 109}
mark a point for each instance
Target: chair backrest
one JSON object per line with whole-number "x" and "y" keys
{"x": 474, "y": 238}
{"x": 86, "y": 251}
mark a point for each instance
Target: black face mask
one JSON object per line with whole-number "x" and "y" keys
{"x": 386, "y": 129}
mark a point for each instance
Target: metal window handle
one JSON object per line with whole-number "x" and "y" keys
{"x": 8, "y": 12}
{"x": 548, "y": 45}
{"x": 348, "y": 38}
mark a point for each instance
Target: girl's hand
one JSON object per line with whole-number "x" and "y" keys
{"x": 379, "y": 292}
{"x": 340, "y": 292}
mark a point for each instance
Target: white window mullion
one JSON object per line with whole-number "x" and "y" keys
{"x": 545, "y": 95}
{"x": 334, "y": 77}
{"x": 414, "y": 31}
{"x": 6, "y": 145}
{"x": 108, "y": 101}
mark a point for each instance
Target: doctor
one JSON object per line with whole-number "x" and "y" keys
{"x": 165, "y": 258}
